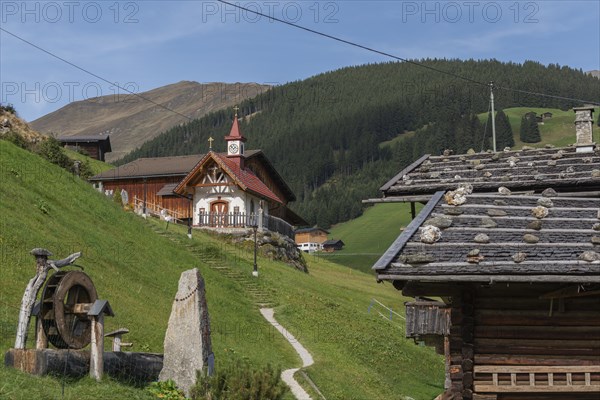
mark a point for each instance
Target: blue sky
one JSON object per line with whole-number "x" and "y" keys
{"x": 147, "y": 44}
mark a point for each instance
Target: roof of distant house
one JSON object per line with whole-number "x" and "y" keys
{"x": 498, "y": 238}
{"x": 102, "y": 140}
{"x": 313, "y": 229}
{"x": 332, "y": 242}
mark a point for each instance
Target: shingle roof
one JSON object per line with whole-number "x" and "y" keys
{"x": 156, "y": 167}
{"x": 151, "y": 167}
{"x": 495, "y": 237}
{"x": 530, "y": 169}
{"x": 103, "y": 140}
{"x": 167, "y": 190}
{"x": 332, "y": 242}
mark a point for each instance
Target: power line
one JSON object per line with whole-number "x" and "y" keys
{"x": 348, "y": 42}
{"x": 338, "y": 39}
{"x": 95, "y": 75}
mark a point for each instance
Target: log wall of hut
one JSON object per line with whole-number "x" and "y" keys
{"x": 135, "y": 187}
{"x": 510, "y": 325}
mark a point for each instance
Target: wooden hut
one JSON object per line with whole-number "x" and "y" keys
{"x": 516, "y": 267}
{"x": 520, "y": 317}
{"x": 94, "y": 146}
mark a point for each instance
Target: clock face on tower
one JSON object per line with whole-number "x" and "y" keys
{"x": 233, "y": 148}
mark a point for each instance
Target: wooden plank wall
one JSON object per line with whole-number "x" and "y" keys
{"x": 510, "y": 325}
{"x": 135, "y": 187}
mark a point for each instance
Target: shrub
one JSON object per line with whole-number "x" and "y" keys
{"x": 240, "y": 381}
{"x": 117, "y": 198}
{"x": 16, "y": 139}
{"x": 166, "y": 390}
{"x": 52, "y": 151}
{"x": 8, "y": 108}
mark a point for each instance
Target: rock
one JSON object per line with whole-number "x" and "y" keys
{"x": 519, "y": 257}
{"x": 538, "y": 177}
{"x": 479, "y": 167}
{"x": 430, "y": 234}
{"x": 588, "y": 160}
{"x": 504, "y": 191}
{"x": 536, "y": 225}
{"x": 457, "y": 177}
{"x": 570, "y": 170}
{"x": 596, "y": 173}
{"x": 549, "y": 146}
{"x": 453, "y": 211}
{"x": 595, "y": 239}
{"x": 549, "y": 193}
{"x": 470, "y": 152}
{"x": 408, "y": 182}
{"x": 589, "y": 256}
{"x": 445, "y": 159}
{"x": 539, "y": 212}
{"x": 419, "y": 258}
{"x": 505, "y": 178}
{"x": 405, "y": 177}
{"x": 527, "y": 148}
{"x": 435, "y": 175}
{"x": 596, "y": 227}
{"x": 481, "y": 238}
{"x": 530, "y": 164}
{"x": 458, "y": 196}
{"x": 507, "y": 149}
{"x": 439, "y": 222}
{"x": 494, "y": 212}
{"x": 448, "y": 152}
{"x": 531, "y": 239}
{"x": 557, "y": 155}
{"x": 187, "y": 342}
{"x": 552, "y": 163}
{"x": 495, "y": 157}
{"x": 499, "y": 202}
{"x": 487, "y": 222}
{"x": 462, "y": 158}
{"x": 474, "y": 256}
{"x": 487, "y": 174}
{"x": 512, "y": 161}
{"x": 476, "y": 162}
{"x": 545, "y": 202}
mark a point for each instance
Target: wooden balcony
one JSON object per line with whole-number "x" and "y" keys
{"x": 536, "y": 379}
{"x": 242, "y": 220}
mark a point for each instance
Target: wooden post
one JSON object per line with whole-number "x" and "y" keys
{"x": 413, "y": 211}
{"x": 41, "y": 340}
{"x": 96, "y": 314}
{"x": 97, "y": 348}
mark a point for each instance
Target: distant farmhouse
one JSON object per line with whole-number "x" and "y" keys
{"x": 224, "y": 191}
{"x": 94, "y": 146}
{"x": 311, "y": 239}
{"x": 510, "y": 243}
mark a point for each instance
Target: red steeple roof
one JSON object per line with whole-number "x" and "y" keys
{"x": 235, "y": 133}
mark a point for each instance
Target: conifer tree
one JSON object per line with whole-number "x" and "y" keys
{"x": 504, "y": 133}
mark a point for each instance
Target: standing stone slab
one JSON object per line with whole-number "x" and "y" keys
{"x": 187, "y": 342}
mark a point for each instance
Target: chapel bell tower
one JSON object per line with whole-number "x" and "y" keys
{"x": 235, "y": 142}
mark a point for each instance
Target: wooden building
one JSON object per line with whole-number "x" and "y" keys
{"x": 150, "y": 182}
{"x": 94, "y": 146}
{"x": 311, "y": 235}
{"x": 332, "y": 245}
{"x": 229, "y": 190}
{"x": 515, "y": 264}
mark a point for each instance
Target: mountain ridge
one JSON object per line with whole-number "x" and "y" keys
{"x": 131, "y": 120}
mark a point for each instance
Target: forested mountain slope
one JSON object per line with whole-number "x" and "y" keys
{"x": 323, "y": 134}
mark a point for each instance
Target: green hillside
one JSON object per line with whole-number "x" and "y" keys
{"x": 559, "y": 130}
{"x": 136, "y": 265}
{"x": 331, "y": 126}
{"x": 367, "y": 237}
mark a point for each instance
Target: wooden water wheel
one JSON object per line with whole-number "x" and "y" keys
{"x": 66, "y": 299}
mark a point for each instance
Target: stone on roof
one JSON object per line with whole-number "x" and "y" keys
{"x": 561, "y": 247}
{"x": 529, "y": 169}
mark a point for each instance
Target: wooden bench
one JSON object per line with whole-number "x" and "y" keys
{"x": 532, "y": 379}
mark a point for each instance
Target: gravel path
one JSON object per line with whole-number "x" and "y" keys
{"x": 288, "y": 375}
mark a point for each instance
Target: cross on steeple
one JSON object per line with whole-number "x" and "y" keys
{"x": 236, "y": 108}
{"x": 210, "y": 142}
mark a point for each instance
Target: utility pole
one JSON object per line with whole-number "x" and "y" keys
{"x": 493, "y": 116}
